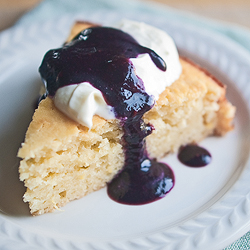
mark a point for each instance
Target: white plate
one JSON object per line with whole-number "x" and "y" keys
{"x": 208, "y": 208}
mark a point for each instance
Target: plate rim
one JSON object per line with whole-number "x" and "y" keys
{"x": 160, "y": 238}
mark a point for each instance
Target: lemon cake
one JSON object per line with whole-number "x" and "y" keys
{"x": 63, "y": 159}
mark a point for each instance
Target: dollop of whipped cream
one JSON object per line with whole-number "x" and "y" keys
{"x": 82, "y": 101}
{"x": 155, "y": 80}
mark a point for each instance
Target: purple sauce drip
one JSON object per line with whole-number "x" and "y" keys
{"x": 142, "y": 180}
{"x": 101, "y": 56}
{"x": 141, "y": 183}
{"x": 193, "y": 155}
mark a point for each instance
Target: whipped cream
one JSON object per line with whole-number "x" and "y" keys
{"x": 82, "y": 101}
{"x": 155, "y": 80}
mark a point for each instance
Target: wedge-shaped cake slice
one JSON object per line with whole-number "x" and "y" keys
{"x": 63, "y": 160}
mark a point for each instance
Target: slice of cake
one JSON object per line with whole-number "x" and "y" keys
{"x": 65, "y": 159}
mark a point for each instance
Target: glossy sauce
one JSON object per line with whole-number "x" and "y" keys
{"x": 101, "y": 56}
{"x": 193, "y": 155}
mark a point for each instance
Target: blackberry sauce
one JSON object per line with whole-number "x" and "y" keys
{"x": 101, "y": 56}
{"x": 193, "y": 155}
